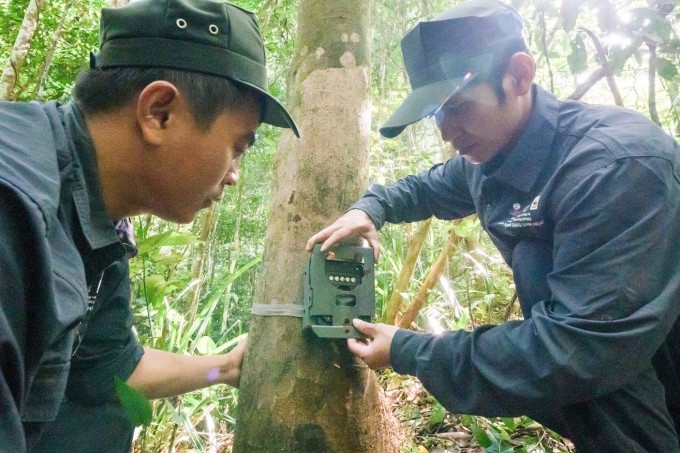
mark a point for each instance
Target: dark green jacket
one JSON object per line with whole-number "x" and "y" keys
{"x": 585, "y": 208}
{"x": 56, "y": 238}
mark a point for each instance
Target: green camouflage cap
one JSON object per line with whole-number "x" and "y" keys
{"x": 445, "y": 54}
{"x": 206, "y": 36}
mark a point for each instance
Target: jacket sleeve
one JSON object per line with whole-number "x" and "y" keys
{"x": 615, "y": 295}
{"x": 441, "y": 191}
{"x": 19, "y": 294}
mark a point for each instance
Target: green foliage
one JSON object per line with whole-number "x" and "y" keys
{"x": 467, "y": 227}
{"x": 161, "y": 279}
{"x": 438, "y": 414}
{"x": 666, "y": 68}
{"x": 136, "y": 406}
{"x": 578, "y": 58}
{"x": 79, "y": 36}
{"x": 569, "y": 11}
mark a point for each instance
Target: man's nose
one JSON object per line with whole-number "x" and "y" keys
{"x": 231, "y": 178}
{"x": 447, "y": 127}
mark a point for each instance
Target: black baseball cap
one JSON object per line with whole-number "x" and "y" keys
{"x": 206, "y": 36}
{"x": 445, "y": 54}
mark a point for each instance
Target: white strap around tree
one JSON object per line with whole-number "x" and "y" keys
{"x": 294, "y": 310}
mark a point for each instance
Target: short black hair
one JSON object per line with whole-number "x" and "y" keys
{"x": 494, "y": 76}
{"x": 208, "y": 96}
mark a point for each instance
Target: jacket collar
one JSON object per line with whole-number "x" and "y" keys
{"x": 95, "y": 222}
{"x": 521, "y": 165}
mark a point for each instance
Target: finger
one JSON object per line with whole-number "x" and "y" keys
{"x": 242, "y": 345}
{"x": 310, "y": 244}
{"x": 364, "y": 327}
{"x": 322, "y": 235}
{"x": 375, "y": 245}
{"x": 318, "y": 237}
{"x": 337, "y": 236}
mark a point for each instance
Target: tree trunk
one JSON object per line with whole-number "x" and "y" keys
{"x": 22, "y": 44}
{"x": 300, "y": 393}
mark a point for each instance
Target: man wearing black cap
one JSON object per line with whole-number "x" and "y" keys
{"x": 583, "y": 203}
{"x": 171, "y": 102}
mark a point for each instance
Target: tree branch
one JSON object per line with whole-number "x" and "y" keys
{"x": 602, "y": 57}
{"x": 651, "y": 101}
{"x": 583, "y": 88}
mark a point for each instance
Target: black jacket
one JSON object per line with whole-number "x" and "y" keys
{"x": 585, "y": 208}
{"x": 56, "y": 238}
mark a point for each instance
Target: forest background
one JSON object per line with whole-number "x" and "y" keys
{"x": 193, "y": 284}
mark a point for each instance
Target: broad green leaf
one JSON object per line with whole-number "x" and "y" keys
{"x": 666, "y": 69}
{"x": 480, "y": 435}
{"x": 136, "y": 406}
{"x": 205, "y": 345}
{"x": 569, "y": 13}
{"x": 509, "y": 423}
{"x": 578, "y": 58}
{"x": 618, "y": 56}
{"x": 648, "y": 24}
{"x": 499, "y": 446}
{"x": 607, "y": 18}
{"x": 466, "y": 420}
{"x": 154, "y": 286}
{"x": 168, "y": 238}
{"x": 166, "y": 259}
{"x": 438, "y": 414}
{"x": 661, "y": 27}
{"x": 466, "y": 227}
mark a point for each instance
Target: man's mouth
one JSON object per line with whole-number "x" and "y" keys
{"x": 462, "y": 148}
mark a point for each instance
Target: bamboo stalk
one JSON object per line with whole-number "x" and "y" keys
{"x": 401, "y": 285}
{"x": 432, "y": 277}
{"x": 200, "y": 256}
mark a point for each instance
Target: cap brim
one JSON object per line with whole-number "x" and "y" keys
{"x": 275, "y": 113}
{"x": 423, "y": 101}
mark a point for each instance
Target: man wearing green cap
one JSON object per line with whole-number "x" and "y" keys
{"x": 160, "y": 120}
{"x": 583, "y": 203}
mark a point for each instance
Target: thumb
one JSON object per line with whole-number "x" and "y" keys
{"x": 364, "y": 327}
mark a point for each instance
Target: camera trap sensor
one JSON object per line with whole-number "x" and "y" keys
{"x": 339, "y": 286}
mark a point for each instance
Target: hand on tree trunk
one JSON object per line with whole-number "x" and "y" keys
{"x": 231, "y": 374}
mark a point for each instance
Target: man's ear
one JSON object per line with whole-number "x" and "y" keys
{"x": 519, "y": 75}
{"x": 156, "y": 102}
